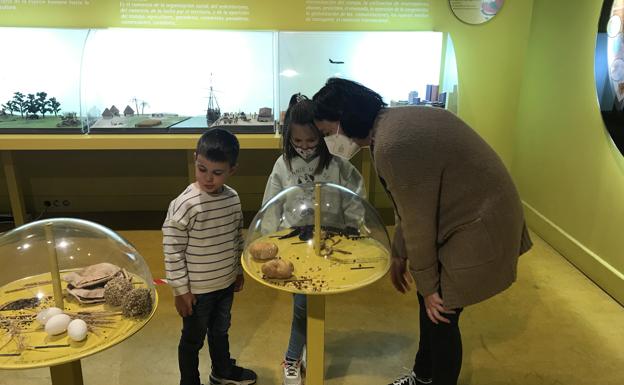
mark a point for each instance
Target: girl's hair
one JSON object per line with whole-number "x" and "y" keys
{"x": 301, "y": 111}
{"x": 354, "y": 105}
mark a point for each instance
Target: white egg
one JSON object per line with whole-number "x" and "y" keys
{"x": 44, "y": 315}
{"x": 57, "y": 324}
{"x": 77, "y": 330}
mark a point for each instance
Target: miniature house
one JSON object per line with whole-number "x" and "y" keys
{"x": 265, "y": 114}
{"x": 114, "y": 110}
{"x": 107, "y": 114}
{"x": 128, "y": 111}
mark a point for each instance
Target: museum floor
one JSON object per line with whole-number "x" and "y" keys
{"x": 554, "y": 326}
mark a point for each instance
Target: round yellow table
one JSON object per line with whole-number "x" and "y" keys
{"x": 25, "y": 345}
{"x": 345, "y": 263}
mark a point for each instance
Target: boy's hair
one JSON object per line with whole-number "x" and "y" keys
{"x": 301, "y": 111}
{"x": 354, "y": 105}
{"x": 218, "y": 145}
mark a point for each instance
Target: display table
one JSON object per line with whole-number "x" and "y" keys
{"x": 25, "y": 345}
{"x": 349, "y": 263}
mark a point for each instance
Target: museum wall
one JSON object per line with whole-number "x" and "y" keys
{"x": 490, "y": 59}
{"x": 570, "y": 175}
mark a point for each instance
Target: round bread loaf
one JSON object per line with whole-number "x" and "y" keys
{"x": 278, "y": 268}
{"x": 263, "y": 250}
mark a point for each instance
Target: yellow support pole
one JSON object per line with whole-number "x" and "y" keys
{"x": 315, "y": 341}
{"x": 54, "y": 269}
{"x": 67, "y": 374}
{"x": 317, "y": 219}
{"x": 15, "y": 192}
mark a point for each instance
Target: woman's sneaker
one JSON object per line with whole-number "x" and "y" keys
{"x": 236, "y": 376}
{"x": 411, "y": 379}
{"x": 292, "y": 372}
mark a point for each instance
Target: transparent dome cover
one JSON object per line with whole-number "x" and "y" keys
{"x": 88, "y": 257}
{"x": 285, "y": 250}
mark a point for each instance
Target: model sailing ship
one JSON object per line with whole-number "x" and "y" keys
{"x": 213, "y": 113}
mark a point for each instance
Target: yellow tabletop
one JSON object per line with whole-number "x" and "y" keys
{"x": 353, "y": 263}
{"x": 40, "y": 350}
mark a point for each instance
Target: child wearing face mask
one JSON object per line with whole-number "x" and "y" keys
{"x": 306, "y": 159}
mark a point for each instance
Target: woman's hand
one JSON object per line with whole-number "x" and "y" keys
{"x": 184, "y": 304}
{"x": 435, "y": 307}
{"x": 401, "y": 278}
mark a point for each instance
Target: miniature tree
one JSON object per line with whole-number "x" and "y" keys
{"x": 143, "y": 105}
{"x": 55, "y": 106}
{"x": 10, "y": 106}
{"x": 20, "y": 102}
{"x": 31, "y": 105}
{"x": 42, "y": 103}
{"x": 136, "y": 103}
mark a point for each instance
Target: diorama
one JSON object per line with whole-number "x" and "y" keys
{"x": 116, "y": 80}
{"x": 74, "y": 288}
{"x": 316, "y": 239}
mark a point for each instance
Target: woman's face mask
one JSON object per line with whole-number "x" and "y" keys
{"x": 341, "y": 145}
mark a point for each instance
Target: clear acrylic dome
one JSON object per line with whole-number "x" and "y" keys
{"x": 91, "y": 259}
{"x": 284, "y": 250}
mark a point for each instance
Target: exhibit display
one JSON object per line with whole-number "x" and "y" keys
{"x": 609, "y": 69}
{"x": 316, "y": 239}
{"x": 403, "y": 67}
{"x": 120, "y": 80}
{"x": 476, "y": 11}
{"x": 286, "y": 249}
{"x": 69, "y": 288}
{"x": 40, "y": 84}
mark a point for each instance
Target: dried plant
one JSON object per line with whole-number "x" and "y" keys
{"x": 14, "y": 333}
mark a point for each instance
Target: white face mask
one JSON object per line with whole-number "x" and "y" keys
{"x": 305, "y": 153}
{"x": 341, "y": 145}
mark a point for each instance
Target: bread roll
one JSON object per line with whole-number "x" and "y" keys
{"x": 263, "y": 250}
{"x": 278, "y": 268}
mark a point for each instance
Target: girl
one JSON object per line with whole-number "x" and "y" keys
{"x": 306, "y": 159}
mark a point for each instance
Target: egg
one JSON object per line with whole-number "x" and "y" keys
{"x": 44, "y": 315}
{"x": 77, "y": 330}
{"x": 57, "y": 324}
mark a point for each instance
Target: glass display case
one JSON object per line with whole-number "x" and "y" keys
{"x": 68, "y": 289}
{"x": 40, "y": 80}
{"x": 316, "y": 239}
{"x": 135, "y": 80}
{"x": 403, "y": 67}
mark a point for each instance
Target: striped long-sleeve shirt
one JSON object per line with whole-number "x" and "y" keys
{"x": 202, "y": 240}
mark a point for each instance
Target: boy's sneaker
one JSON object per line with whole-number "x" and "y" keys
{"x": 236, "y": 376}
{"x": 411, "y": 379}
{"x": 292, "y": 372}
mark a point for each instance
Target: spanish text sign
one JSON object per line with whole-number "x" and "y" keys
{"x": 219, "y": 14}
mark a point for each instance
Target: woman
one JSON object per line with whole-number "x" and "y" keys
{"x": 459, "y": 217}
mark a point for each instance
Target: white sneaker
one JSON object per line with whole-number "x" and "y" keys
{"x": 292, "y": 372}
{"x": 411, "y": 379}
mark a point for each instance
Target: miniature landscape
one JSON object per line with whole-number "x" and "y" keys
{"x": 28, "y": 111}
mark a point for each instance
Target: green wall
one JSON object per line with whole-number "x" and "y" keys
{"x": 569, "y": 173}
{"x": 490, "y": 62}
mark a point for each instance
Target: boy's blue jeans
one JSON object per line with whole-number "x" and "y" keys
{"x": 298, "y": 328}
{"x": 211, "y": 317}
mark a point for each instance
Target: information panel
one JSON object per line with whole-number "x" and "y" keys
{"x": 219, "y": 14}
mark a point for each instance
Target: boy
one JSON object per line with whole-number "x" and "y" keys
{"x": 202, "y": 242}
